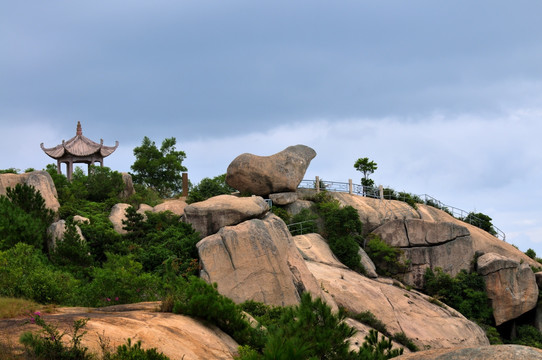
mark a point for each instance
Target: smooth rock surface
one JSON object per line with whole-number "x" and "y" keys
{"x": 41, "y": 180}
{"x": 209, "y": 216}
{"x": 256, "y": 260}
{"x": 56, "y": 233}
{"x": 494, "y": 352}
{"x": 284, "y": 198}
{"x": 118, "y": 213}
{"x": 176, "y": 206}
{"x": 510, "y": 286}
{"x": 128, "y": 186}
{"x": 177, "y": 336}
{"x": 264, "y": 175}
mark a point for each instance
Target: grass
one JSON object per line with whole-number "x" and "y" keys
{"x": 12, "y": 307}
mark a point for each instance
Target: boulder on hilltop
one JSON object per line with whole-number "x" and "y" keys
{"x": 264, "y": 175}
{"x": 40, "y": 180}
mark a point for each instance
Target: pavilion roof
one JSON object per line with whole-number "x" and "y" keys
{"x": 79, "y": 146}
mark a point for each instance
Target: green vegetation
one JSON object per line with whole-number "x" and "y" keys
{"x": 482, "y": 221}
{"x": 159, "y": 169}
{"x": 389, "y": 260}
{"x": 367, "y": 167}
{"x": 208, "y": 188}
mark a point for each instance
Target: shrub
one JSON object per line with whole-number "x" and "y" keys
{"x": 102, "y": 183}
{"x": 135, "y": 352}
{"x": 26, "y": 273}
{"x": 482, "y": 221}
{"x": 529, "y": 336}
{"x": 72, "y": 253}
{"x": 531, "y": 253}
{"x": 387, "y": 259}
{"x": 208, "y": 188}
{"x": 369, "y": 319}
{"x": 465, "y": 292}
{"x": 376, "y": 349}
{"x": 48, "y": 343}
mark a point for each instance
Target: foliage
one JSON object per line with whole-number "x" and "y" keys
{"x": 492, "y": 334}
{"x": 369, "y": 319}
{"x": 306, "y": 221}
{"x": 266, "y": 315}
{"x": 482, "y": 221}
{"x": 367, "y": 167}
{"x": 465, "y": 292}
{"x": 72, "y": 253}
{"x": 402, "y": 339}
{"x": 26, "y": 273}
{"x": 208, "y": 188}
{"x": 388, "y": 259}
{"x": 144, "y": 195}
{"x": 120, "y": 280}
{"x": 9, "y": 171}
{"x": 342, "y": 229}
{"x": 131, "y": 351}
{"x": 197, "y": 298}
{"x": 281, "y": 213}
{"x": 12, "y": 307}
{"x": 103, "y": 184}
{"x": 161, "y": 168}
{"x": 48, "y": 343}
{"x": 531, "y": 253}
{"x": 529, "y": 336}
{"x": 375, "y": 349}
{"x": 160, "y": 237}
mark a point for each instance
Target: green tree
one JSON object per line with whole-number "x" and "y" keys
{"x": 103, "y": 183}
{"x": 367, "y": 167}
{"x": 208, "y": 188}
{"x": 482, "y": 221}
{"x": 159, "y": 169}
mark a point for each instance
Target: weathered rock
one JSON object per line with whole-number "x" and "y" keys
{"x": 510, "y": 286}
{"x": 362, "y": 331}
{"x": 284, "y": 198}
{"x": 494, "y": 352}
{"x": 400, "y": 310}
{"x": 314, "y": 247}
{"x": 429, "y": 244}
{"x": 207, "y": 217}
{"x": 56, "y": 233}
{"x": 538, "y": 276}
{"x": 78, "y": 219}
{"x": 143, "y": 208}
{"x": 297, "y": 206}
{"x": 176, "y": 206}
{"x": 264, "y": 175}
{"x": 368, "y": 264}
{"x": 128, "y": 186}
{"x": 256, "y": 260}
{"x": 40, "y": 180}
{"x": 177, "y": 336}
{"x": 118, "y": 213}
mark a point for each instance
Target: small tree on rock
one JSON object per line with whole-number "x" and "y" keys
{"x": 367, "y": 167}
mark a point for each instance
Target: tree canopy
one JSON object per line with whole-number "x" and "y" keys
{"x": 367, "y": 167}
{"x": 159, "y": 169}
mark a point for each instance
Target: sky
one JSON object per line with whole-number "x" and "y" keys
{"x": 446, "y": 97}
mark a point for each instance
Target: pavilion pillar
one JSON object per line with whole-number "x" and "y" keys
{"x": 58, "y": 169}
{"x": 70, "y": 170}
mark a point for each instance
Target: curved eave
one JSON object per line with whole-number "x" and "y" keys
{"x": 55, "y": 152}
{"x": 108, "y": 150}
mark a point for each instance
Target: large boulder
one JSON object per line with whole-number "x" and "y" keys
{"x": 177, "y": 336}
{"x": 264, "y": 175}
{"x": 56, "y": 231}
{"x": 494, "y": 352}
{"x": 256, "y": 260}
{"x": 176, "y": 206}
{"x": 283, "y": 198}
{"x": 117, "y": 215}
{"x": 207, "y": 217}
{"x": 128, "y": 186}
{"x": 510, "y": 285}
{"x": 40, "y": 180}
{"x": 429, "y": 244}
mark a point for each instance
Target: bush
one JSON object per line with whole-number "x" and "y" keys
{"x": 528, "y": 335}
{"x": 531, "y": 253}
{"x": 135, "y": 352}
{"x": 72, "y": 253}
{"x": 465, "y": 292}
{"x": 26, "y": 273}
{"x": 387, "y": 259}
{"x": 480, "y": 220}
{"x": 208, "y": 188}
{"x": 103, "y": 184}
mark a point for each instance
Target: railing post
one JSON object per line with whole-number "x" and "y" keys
{"x": 350, "y": 186}
{"x": 185, "y": 184}
{"x": 317, "y": 184}
{"x": 381, "y": 192}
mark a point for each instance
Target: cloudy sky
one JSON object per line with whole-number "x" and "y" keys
{"x": 446, "y": 97}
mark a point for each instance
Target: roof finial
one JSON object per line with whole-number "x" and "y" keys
{"x": 79, "y": 130}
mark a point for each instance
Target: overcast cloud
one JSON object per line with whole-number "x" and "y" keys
{"x": 445, "y": 96}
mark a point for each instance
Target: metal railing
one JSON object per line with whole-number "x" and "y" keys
{"x": 303, "y": 227}
{"x": 389, "y": 194}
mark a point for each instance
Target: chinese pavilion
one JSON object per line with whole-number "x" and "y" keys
{"x": 79, "y": 149}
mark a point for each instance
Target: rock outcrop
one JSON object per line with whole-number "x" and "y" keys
{"x": 400, "y": 310}
{"x": 209, "y": 216}
{"x": 118, "y": 213}
{"x": 264, "y": 175}
{"x": 176, "y": 206}
{"x": 256, "y": 260}
{"x": 56, "y": 233}
{"x": 429, "y": 244}
{"x": 510, "y": 286}
{"x": 177, "y": 336}
{"x": 128, "y": 186}
{"x": 40, "y": 180}
{"x": 284, "y": 198}
{"x": 495, "y": 352}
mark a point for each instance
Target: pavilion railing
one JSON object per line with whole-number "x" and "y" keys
{"x": 387, "y": 194}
